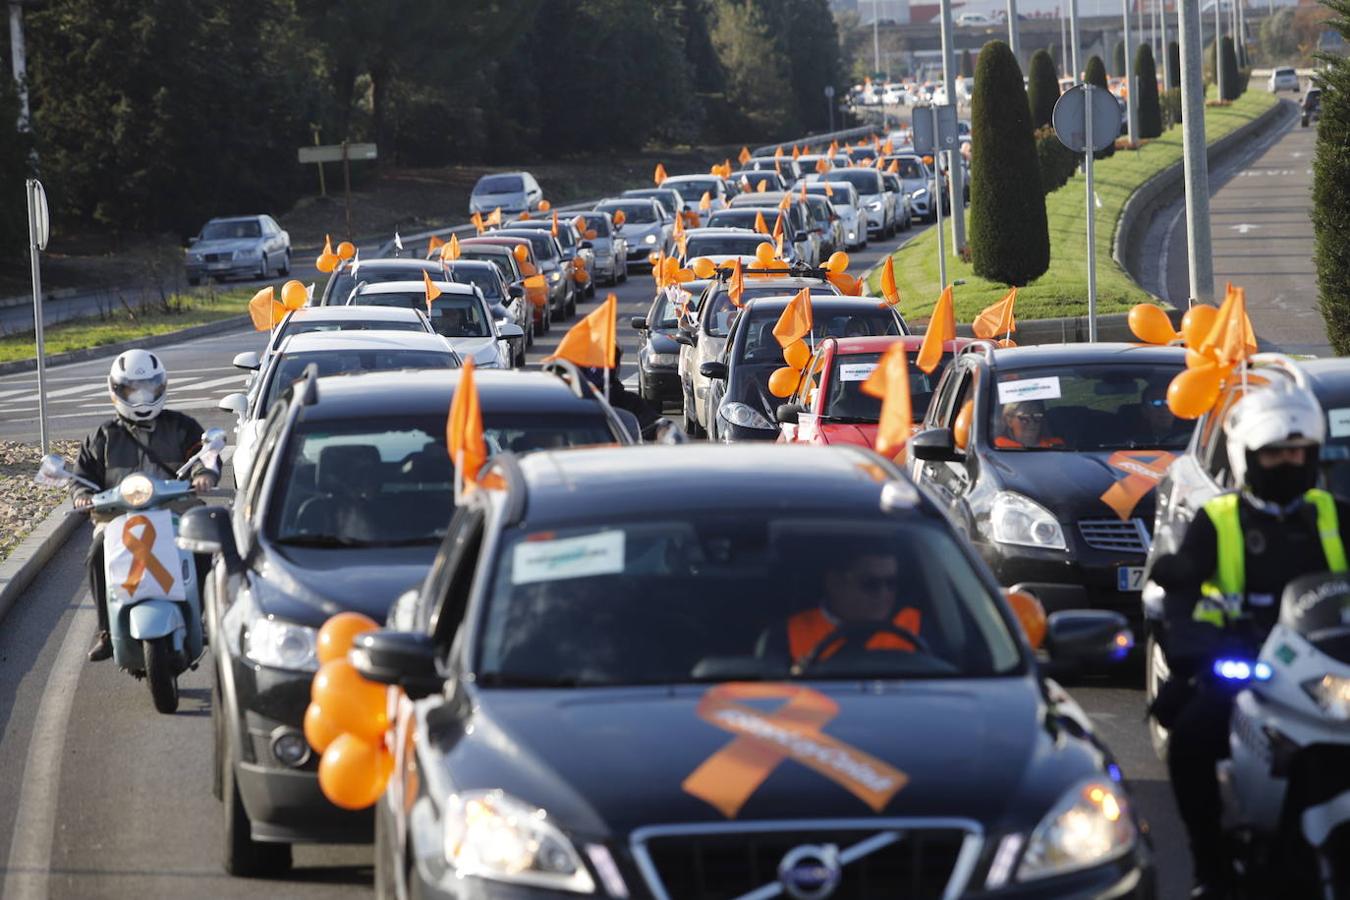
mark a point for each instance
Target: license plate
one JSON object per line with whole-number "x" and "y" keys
{"x": 1130, "y": 578}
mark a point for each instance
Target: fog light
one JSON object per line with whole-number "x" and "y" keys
{"x": 290, "y": 748}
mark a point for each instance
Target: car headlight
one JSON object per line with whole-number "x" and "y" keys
{"x": 744, "y": 416}
{"x": 1332, "y": 693}
{"x": 136, "y": 490}
{"x": 555, "y": 276}
{"x": 1016, "y": 519}
{"x": 282, "y": 645}
{"x": 491, "y": 835}
{"x": 1089, "y": 826}
{"x": 663, "y": 359}
{"x": 874, "y": 206}
{"x": 649, "y": 239}
{"x": 921, "y": 192}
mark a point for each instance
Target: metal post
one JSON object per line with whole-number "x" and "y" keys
{"x": 1196, "y": 165}
{"x": 1091, "y": 216}
{"x": 937, "y": 183}
{"x": 1073, "y": 40}
{"x": 323, "y": 185}
{"x": 953, "y": 164}
{"x": 19, "y": 63}
{"x": 1138, "y": 27}
{"x": 1014, "y": 32}
{"x": 32, "y": 188}
{"x": 1218, "y": 56}
{"x": 1132, "y": 94}
{"x": 1064, "y": 68}
{"x": 347, "y": 187}
{"x": 876, "y": 38}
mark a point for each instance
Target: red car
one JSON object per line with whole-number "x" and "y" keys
{"x": 830, "y": 407}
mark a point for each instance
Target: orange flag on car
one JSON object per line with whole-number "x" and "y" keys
{"x": 829, "y": 191}
{"x": 888, "y": 148}
{"x": 761, "y": 226}
{"x": 433, "y": 244}
{"x": 659, "y": 175}
{"x": 494, "y": 218}
{"x": 1231, "y": 337}
{"x": 264, "y": 309}
{"x": 762, "y": 187}
{"x": 796, "y": 152}
{"x": 464, "y": 428}
{"x": 786, "y": 203}
{"x": 554, "y": 227}
{"x": 778, "y": 153}
{"x": 592, "y": 343}
{"x": 889, "y": 290}
{"x": 834, "y": 148}
{"x": 477, "y": 221}
{"x": 997, "y": 319}
{"x": 894, "y": 167}
{"x": 822, "y": 165}
{"x": 431, "y": 290}
{"x": 941, "y": 328}
{"x": 451, "y": 249}
{"x": 705, "y": 202}
{"x": 890, "y": 382}
{"x": 796, "y": 321}
{"x": 778, "y": 229}
{"x": 736, "y": 283}
{"x": 744, "y": 155}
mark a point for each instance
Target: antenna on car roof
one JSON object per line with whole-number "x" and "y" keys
{"x": 309, "y": 392}
{"x": 570, "y": 375}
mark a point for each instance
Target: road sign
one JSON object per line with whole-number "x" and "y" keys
{"x": 335, "y": 153}
{"x": 1071, "y": 125}
{"x": 829, "y": 91}
{"x": 921, "y": 125}
{"x": 39, "y": 219}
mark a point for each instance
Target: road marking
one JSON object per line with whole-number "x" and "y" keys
{"x": 30, "y": 848}
{"x": 237, "y": 379}
{"x": 1244, "y": 228}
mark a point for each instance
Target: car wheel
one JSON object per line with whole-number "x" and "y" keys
{"x": 245, "y": 857}
{"x": 529, "y": 333}
{"x": 217, "y": 741}
{"x": 1156, "y": 674}
{"x": 285, "y": 264}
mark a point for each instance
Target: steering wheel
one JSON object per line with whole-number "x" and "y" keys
{"x": 859, "y": 632}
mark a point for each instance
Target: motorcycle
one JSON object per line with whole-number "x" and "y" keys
{"x": 154, "y": 611}
{"x": 1286, "y": 788}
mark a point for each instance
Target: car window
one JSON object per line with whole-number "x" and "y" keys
{"x": 693, "y": 191}
{"x": 485, "y": 279}
{"x": 628, "y": 601}
{"x": 806, "y": 391}
{"x": 272, "y": 428}
{"x": 845, "y": 400}
{"x": 540, "y": 241}
{"x": 290, "y": 368}
{"x": 598, "y": 224}
{"x": 719, "y": 316}
{"x": 451, "y": 316}
{"x": 232, "y": 230}
{"x": 761, "y": 346}
{"x": 499, "y": 184}
{"x": 728, "y": 245}
{"x": 305, "y": 327}
{"x": 663, "y": 313}
{"x": 636, "y": 213}
{"x": 500, "y": 258}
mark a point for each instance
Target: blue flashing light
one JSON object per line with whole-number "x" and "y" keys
{"x": 1233, "y": 669}
{"x": 1262, "y": 671}
{"x": 1114, "y": 771}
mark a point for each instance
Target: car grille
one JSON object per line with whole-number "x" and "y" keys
{"x": 1129, "y": 536}
{"x": 218, "y": 257}
{"x": 908, "y": 862}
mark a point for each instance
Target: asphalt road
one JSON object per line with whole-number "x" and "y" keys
{"x": 103, "y": 797}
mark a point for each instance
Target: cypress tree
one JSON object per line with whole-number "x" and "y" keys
{"x": 1042, "y": 88}
{"x": 1009, "y": 235}
{"x": 1095, "y": 74}
{"x": 1173, "y": 65}
{"x": 1331, "y": 190}
{"x": 1232, "y": 87}
{"x": 967, "y": 68}
{"x": 1150, "y": 111}
{"x": 1118, "y": 60}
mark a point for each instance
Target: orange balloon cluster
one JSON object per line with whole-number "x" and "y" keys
{"x": 347, "y": 719}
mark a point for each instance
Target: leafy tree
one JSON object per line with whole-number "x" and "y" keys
{"x": 14, "y": 169}
{"x": 1146, "y": 75}
{"x": 1118, "y": 60}
{"x": 1042, "y": 88}
{"x": 1331, "y": 189}
{"x": 1009, "y": 235}
{"x": 1232, "y": 83}
{"x": 757, "y": 72}
{"x": 814, "y": 59}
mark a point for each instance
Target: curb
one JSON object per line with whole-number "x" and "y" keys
{"x": 154, "y": 340}
{"x": 22, "y": 566}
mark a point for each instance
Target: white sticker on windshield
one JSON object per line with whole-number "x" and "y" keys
{"x": 856, "y": 371}
{"x": 1338, "y": 420}
{"x": 578, "y": 557}
{"x": 1028, "y": 389}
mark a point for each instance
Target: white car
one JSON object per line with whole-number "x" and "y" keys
{"x": 460, "y": 314}
{"x": 511, "y": 192}
{"x": 876, "y": 206}
{"x": 693, "y": 187}
{"x": 1284, "y": 78}
{"x": 333, "y": 353}
{"x": 974, "y": 20}
{"x": 846, "y": 202}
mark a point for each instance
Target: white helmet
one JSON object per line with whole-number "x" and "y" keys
{"x": 137, "y": 383}
{"x": 1285, "y": 415}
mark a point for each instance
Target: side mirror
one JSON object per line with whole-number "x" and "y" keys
{"x": 586, "y": 245}
{"x": 235, "y": 403}
{"x": 1087, "y": 636}
{"x": 638, "y": 322}
{"x": 687, "y": 338}
{"x": 799, "y": 237}
{"x": 787, "y": 413}
{"x": 516, "y": 290}
{"x": 247, "y": 360}
{"x": 713, "y": 369}
{"x": 510, "y": 330}
{"x": 206, "y": 529}
{"x": 405, "y": 659}
{"x": 935, "y": 445}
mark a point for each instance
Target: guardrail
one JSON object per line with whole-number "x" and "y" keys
{"x": 811, "y": 140}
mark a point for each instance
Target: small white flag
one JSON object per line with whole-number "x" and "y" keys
{"x": 398, "y": 241}
{"x": 309, "y": 294}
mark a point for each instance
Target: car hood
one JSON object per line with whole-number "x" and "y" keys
{"x": 1071, "y": 485}
{"x": 227, "y": 245}
{"x": 308, "y": 585}
{"x": 663, "y": 342}
{"x": 848, "y": 433}
{"x": 618, "y": 758}
{"x": 631, "y": 231}
{"x": 484, "y": 350}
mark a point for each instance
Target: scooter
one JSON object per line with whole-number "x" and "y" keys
{"x": 1286, "y": 788}
{"x": 154, "y": 611}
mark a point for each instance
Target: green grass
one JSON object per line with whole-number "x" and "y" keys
{"x": 183, "y": 311}
{"x": 1062, "y": 291}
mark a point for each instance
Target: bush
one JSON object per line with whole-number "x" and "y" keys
{"x": 1009, "y": 235}
{"x": 1232, "y": 88}
{"x": 1118, "y": 60}
{"x": 1042, "y": 88}
{"x": 1095, "y": 73}
{"x": 1057, "y": 162}
{"x": 1146, "y": 76}
{"x": 1331, "y": 190}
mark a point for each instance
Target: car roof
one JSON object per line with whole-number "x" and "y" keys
{"x": 381, "y": 265}
{"x": 823, "y": 302}
{"x": 486, "y": 264}
{"x": 694, "y": 177}
{"x": 1329, "y": 379}
{"x": 846, "y": 346}
{"x": 405, "y": 287}
{"x": 251, "y": 218}
{"x": 496, "y": 238}
{"x": 722, "y": 231}
{"x": 786, "y": 282}
{"x": 429, "y": 391}
{"x": 315, "y": 341}
{"x": 359, "y": 313}
{"x": 1072, "y": 354}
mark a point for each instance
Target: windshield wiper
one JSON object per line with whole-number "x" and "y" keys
{"x": 507, "y": 679}
{"x": 319, "y": 540}
{"x": 849, "y": 420}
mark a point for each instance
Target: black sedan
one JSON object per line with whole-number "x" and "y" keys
{"x": 350, "y": 495}
{"x": 1048, "y": 458}
{"x": 748, "y": 689}
{"x": 659, "y": 355}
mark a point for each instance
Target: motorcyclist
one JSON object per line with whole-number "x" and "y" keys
{"x": 1229, "y": 572}
{"x": 143, "y": 437}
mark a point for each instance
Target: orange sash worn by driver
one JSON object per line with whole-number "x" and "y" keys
{"x": 812, "y": 626}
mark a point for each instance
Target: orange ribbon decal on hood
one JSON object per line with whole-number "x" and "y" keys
{"x": 1144, "y": 469}
{"x": 729, "y": 777}
{"x": 143, "y": 556}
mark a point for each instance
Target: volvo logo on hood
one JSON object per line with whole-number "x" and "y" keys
{"x": 810, "y": 872}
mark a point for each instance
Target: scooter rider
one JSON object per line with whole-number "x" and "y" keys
{"x": 1233, "y": 564}
{"x": 142, "y": 437}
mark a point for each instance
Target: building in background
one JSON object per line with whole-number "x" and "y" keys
{"x": 887, "y": 11}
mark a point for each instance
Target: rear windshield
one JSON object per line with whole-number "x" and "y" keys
{"x": 305, "y": 327}
{"x": 845, "y": 401}
{"x": 637, "y": 213}
{"x": 485, "y": 279}
{"x": 291, "y": 367}
{"x": 718, "y": 319}
{"x": 911, "y": 169}
{"x": 232, "y": 230}
{"x": 450, "y": 316}
{"x": 541, "y": 241}
{"x": 693, "y": 191}
{"x": 739, "y": 245}
{"x": 499, "y": 184}
{"x": 344, "y": 281}
{"x": 866, "y": 182}
{"x": 760, "y": 345}
{"x": 500, "y": 258}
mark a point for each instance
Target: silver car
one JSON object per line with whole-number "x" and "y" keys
{"x": 609, "y": 247}
{"x": 248, "y": 246}
{"x": 646, "y": 227}
{"x": 511, "y": 192}
{"x": 460, "y": 314}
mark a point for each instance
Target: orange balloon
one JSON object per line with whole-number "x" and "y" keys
{"x": 520, "y": 253}
{"x": 1195, "y": 360}
{"x": 1150, "y": 324}
{"x": 319, "y": 728}
{"x": 1193, "y": 392}
{"x": 797, "y": 355}
{"x": 581, "y": 276}
{"x": 356, "y": 706}
{"x": 838, "y": 262}
{"x": 1197, "y": 322}
{"x": 326, "y": 262}
{"x": 620, "y": 217}
{"x": 346, "y": 250}
{"x": 703, "y": 267}
{"x": 294, "y": 295}
{"x": 764, "y": 253}
{"x": 591, "y": 234}
{"x": 545, "y": 206}
{"x": 961, "y": 427}
{"x": 1006, "y": 343}
{"x": 350, "y": 772}
{"x": 338, "y": 633}
{"x": 784, "y": 381}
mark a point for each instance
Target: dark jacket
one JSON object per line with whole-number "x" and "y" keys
{"x": 111, "y": 453}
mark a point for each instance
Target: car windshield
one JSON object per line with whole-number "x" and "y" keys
{"x": 759, "y": 345}
{"x": 637, "y": 213}
{"x": 845, "y": 401}
{"x": 541, "y": 241}
{"x": 598, "y": 224}
{"x": 911, "y": 169}
{"x": 345, "y": 280}
{"x": 693, "y": 191}
{"x": 723, "y": 312}
{"x": 1085, "y": 408}
{"x": 290, "y": 368}
{"x": 662, "y": 197}
{"x": 755, "y": 176}
{"x": 866, "y": 182}
{"x": 500, "y": 258}
{"x": 451, "y": 316}
{"x": 387, "y": 480}
{"x": 499, "y": 184}
{"x": 820, "y": 210}
{"x": 232, "y": 230}
{"x": 605, "y": 602}
{"x": 839, "y": 196}
{"x": 724, "y": 245}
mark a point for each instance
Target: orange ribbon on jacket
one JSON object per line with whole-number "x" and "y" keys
{"x": 1144, "y": 468}
{"x": 729, "y": 777}
{"x": 143, "y": 556}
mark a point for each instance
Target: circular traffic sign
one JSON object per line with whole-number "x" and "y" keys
{"x": 1071, "y": 124}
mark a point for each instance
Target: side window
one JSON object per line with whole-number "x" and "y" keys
{"x": 1213, "y": 444}
{"x": 938, "y": 409}
{"x": 445, "y": 595}
{"x": 272, "y": 429}
{"x": 809, "y": 390}
{"x": 965, "y": 390}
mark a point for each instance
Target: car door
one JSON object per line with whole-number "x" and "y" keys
{"x": 952, "y": 481}
{"x": 708, "y": 348}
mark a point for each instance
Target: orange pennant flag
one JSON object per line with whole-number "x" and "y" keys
{"x": 796, "y": 321}
{"x": 778, "y": 153}
{"x": 941, "y": 328}
{"x": 761, "y": 227}
{"x": 786, "y": 203}
{"x": 451, "y": 249}
{"x": 433, "y": 244}
{"x": 264, "y": 309}
{"x": 894, "y": 167}
{"x": 464, "y": 428}
{"x": 888, "y": 148}
{"x": 834, "y": 148}
{"x": 780, "y": 251}
{"x": 659, "y": 269}
{"x": 477, "y": 221}
{"x": 889, "y": 291}
{"x": 660, "y": 174}
{"x": 736, "y": 283}
{"x": 1231, "y": 338}
{"x": 762, "y": 187}
{"x": 494, "y": 218}
{"x": 997, "y": 320}
{"x": 778, "y": 229}
{"x": 822, "y": 165}
{"x": 890, "y": 382}
{"x": 829, "y": 191}
{"x": 705, "y": 202}
{"x": 796, "y": 152}
{"x": 678, "y": 230}
{"x": 431, "y": 290}
{"x": 592, "y": 343}
{"x": 744, "y": 155}
{"x": 553, "y": 229}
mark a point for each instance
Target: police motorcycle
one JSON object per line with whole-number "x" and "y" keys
{"x": 154, "y": 610}
{"x": 1289, "y": 773}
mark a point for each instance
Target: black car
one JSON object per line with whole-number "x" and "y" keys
{"x": 607, "y": 699}
{"x": 570, "y": 241}
{"x": 1048, "y": 456}
{"x": 659, "y": 355}
{"x": 562, "y": 290}
{"x": 350, "y": 494}
{"x": 741, "y": 407}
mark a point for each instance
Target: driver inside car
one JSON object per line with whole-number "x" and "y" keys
{"x": 1025, "y": 426}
